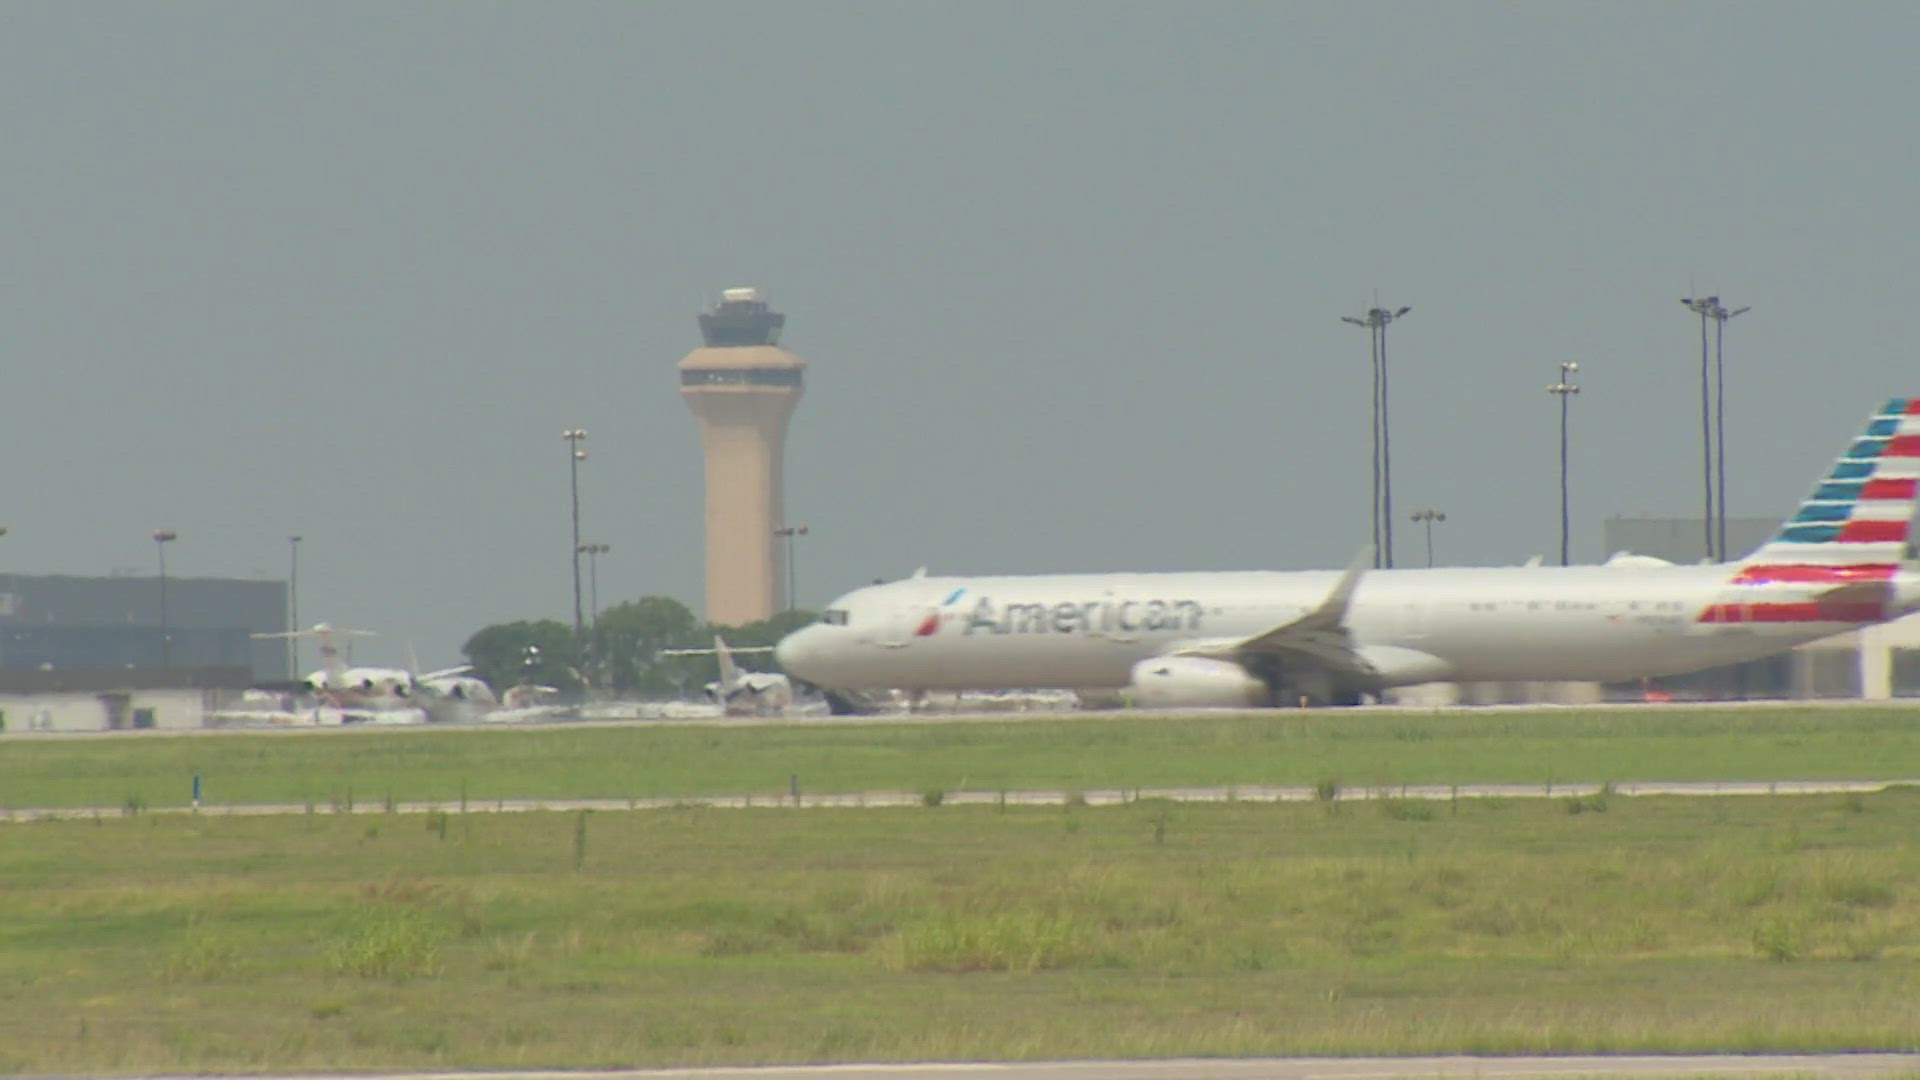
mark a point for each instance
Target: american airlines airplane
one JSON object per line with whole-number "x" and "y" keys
{"x": 1250, "y": 638}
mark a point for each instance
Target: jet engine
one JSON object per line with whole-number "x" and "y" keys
{"x": 1187, "y": 682}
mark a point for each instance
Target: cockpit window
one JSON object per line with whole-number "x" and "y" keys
{"x": 834, "y": 617}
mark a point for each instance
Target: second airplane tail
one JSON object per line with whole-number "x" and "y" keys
{"x": 729, "y": 671}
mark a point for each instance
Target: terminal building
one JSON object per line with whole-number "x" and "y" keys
{"x": 94, "y": 653}
{"x": 61, "y": 623}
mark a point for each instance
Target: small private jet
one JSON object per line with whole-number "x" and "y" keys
{"x": 407, "y": 695}
{"x": 739, "y": 692}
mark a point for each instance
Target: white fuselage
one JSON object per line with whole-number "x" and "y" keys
{"x": 1088, "y": 631}
{"x": 364, "y": 687}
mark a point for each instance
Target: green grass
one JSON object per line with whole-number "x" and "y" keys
{"x": 216, "y": 944}
{"x": 1351, "y": 750}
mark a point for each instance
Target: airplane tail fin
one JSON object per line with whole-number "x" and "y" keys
{"x": 1862, "y": 513}
{"x": 729, "y": 671}
{"x": 1839, "y": 558}
{"x": 333, "y": 664}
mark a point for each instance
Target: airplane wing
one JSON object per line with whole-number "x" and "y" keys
{"x": 1319, "y": 636}
{"x": 735, "y": 650}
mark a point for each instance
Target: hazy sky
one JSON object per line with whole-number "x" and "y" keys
{"x": 1069, "y": 277}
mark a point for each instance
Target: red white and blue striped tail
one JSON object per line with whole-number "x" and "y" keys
{"x": 1863, "y": 511}
{"x": 1839, "y": 555}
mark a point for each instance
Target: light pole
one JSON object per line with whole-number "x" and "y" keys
{"x": 787, "y": 533}
{"x": 1373, "y": 362}
{"x": 1705, "y": 306}
{"x": 575, "y": 456}
{"x": 592, "y": 552}
{"x": 1564, "y": 389}
{"x": 161, "y": 538}
{"x": 1386, "y": 440}
{"x": 1720, "y": 317}
{"x": 1376, "y": 321}
{"x": 293, "y": 606}
{"x": 1427, "y": 517}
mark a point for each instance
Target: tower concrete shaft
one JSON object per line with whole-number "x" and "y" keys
{"x": 742, "y": 388}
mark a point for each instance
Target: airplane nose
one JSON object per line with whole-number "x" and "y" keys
{"x": 790, "y": 652}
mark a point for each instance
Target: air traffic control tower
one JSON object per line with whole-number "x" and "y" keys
{"x": 742, "y": 387}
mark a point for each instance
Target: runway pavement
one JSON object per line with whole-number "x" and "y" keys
{"x": 1714, "y": 1065}
{"x": 695, "y": 715}
{"x": 801, "y": 799}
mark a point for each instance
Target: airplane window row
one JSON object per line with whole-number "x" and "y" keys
{"x": 1563, "y": 605}
{"x": 738, "y": 376}
{"x": 834, "y": 617}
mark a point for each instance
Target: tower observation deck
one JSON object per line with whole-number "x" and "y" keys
{"x": 742, "y": 318}
{"x": 742, "y": 388}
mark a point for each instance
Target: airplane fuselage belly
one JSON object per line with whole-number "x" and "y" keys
{"x": 1089, "y": 631}
{"x": 1056, "y": 661}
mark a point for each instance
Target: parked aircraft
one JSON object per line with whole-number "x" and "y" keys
{"x": 743, "y": 693}
{"x": 1844, "y": 560}
{"x": 380, "y": 689}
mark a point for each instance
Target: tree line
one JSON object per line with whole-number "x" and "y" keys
{"x": 620, "y": 650}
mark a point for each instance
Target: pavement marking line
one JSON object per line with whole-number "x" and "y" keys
{"x": 1838, "y": 1065}
{"x": 883, "y": 800}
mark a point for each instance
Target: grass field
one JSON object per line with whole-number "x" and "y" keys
{"x": 1093, "y": 751}
{"x": 142, "y": 943}
{"x": 182, "y": 943}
